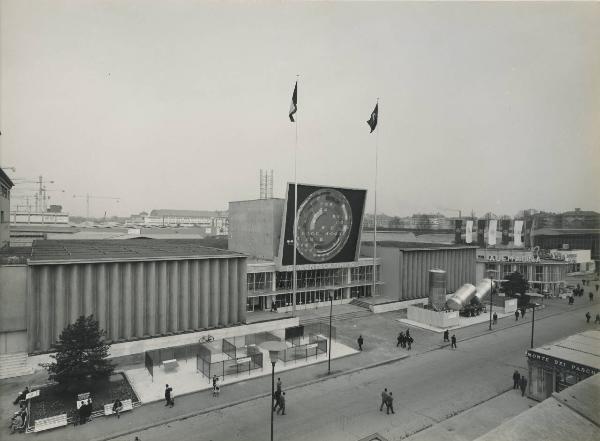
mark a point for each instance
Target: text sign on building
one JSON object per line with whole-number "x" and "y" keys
{"x": 561, "y": 364}
{"x": 30, "y": 395}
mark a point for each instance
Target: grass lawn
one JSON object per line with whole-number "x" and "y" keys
{"x": 54, "y": 400}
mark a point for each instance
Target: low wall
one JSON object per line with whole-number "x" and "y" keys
{"x": 439, "y": 319}
{"x": 510, "y": 305}
{"x": 130, "y": 348}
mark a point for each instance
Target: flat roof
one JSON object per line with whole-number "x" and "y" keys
{"x": 417, "y": 245}
{"x": 110, "y": 250}
{"x": 583, "y": 348}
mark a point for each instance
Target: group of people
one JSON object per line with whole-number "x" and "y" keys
{"x": 216, "y": 388}
{"x": 19, "y": 419}
{"x": 404, "y": 340}
{"x": 388, "y": 400}
{"x": 85, "y": 411}
{"x": 520, "y": 312}
{"x": 279, "y": 398}
{"x": 453, "y": 340}
{"x": 519, "y": 382}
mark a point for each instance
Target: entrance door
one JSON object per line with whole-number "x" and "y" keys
{"x": 548, "y": 383}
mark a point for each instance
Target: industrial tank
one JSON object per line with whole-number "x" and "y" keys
{"x": 437, "y": 289}
{"x": 483, "y": 289}
{"x": 461, "y": 297}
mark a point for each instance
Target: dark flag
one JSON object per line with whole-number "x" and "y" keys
{"x": 294, "y": 105}
{"x": 372, "y": 122}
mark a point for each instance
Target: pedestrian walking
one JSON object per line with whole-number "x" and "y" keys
{"x": 588, "y": 316}
{"x": 446, "y": 336}
{"x": 409, "y": 341}
{"x": 591, "y": 296}
{"x": 215, "y": 380}
{"x": 597, "y": 319}
{"x": 384, "y": 398}
{"x": 360, "y": 342}
{"x": 390, "y": 404}
{"x": 453, "y": 345}
{"x": 407, "y": 333}
{"x": 495, "y": 318}
{"x": 399, "y": 339}
{"x": 402, "y": 340}
{"x": 523, "y": 385}
{"x": 517, "y": 315}
{"x": 281, "y": 404}
{"x": 279, "y": 384}
{"x": 168, "y": 398}
{"x": 523, "y": 309}
{"x": 516, "y": 379}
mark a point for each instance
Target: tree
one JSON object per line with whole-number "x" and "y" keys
{"x": 81, "y": 354}
{"x": 516, "y": 285}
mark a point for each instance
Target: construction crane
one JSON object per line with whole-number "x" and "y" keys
{"x": 40, "y": 196}
{"x": 39, "y": 203}
{"x": 88, "y": 196}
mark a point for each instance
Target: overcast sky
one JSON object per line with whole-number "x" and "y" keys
{"x": 178, "y": 104}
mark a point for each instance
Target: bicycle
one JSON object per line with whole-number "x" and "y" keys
{"x": 207, "y": 339}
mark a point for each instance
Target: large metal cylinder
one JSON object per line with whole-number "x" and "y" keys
{"x": 461, "y": 297}
{"x": 483, "y": 289}
{"x": 437, "y": 289}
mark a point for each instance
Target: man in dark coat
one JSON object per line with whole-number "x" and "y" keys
{"x": 523, "y": 385}
{"x": 588, "y": 316}
{"x": 360, "y": 342}
{"x": 281, "y": 404}
{"x": 516, "y": 379}
{"x": 453, "y": 345}
{"x": 495, "y": 318}
{"x": 169, "y": 401}
{"x": 390, "y": 404}
{"x": 516, "y": 315}
{"x": 384, "y": 398}
{"x": 446, "y": 335}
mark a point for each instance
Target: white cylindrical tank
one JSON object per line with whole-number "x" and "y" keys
{"x": 461, "y": 297}
{"x": 483, "y": 289}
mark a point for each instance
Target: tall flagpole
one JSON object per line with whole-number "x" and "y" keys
{"x": 373, "y": 291}
{"x": 294, "y": 281}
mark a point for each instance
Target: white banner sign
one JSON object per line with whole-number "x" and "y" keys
{"x": 492, "y": 232}
{"x": 469, "y": 232}
{"x": 30, "y": 395}
{"x": 518, "y": 230}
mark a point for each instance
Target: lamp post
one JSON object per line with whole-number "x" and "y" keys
{"x": 533, "y": 305}
{"x": 491, "y": 275}
{"x": 274, "y": 348}
{"x": 330, "y": 317}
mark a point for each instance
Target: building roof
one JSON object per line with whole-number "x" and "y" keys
{"x": 583, "y": 348}
{"x": 410, "y": 246}
{"x": 110, "y": 250}
{"x": 573, "y": 413}
{"x": 565, "y": 231}
{"x": 4, "y": 178}
{"x": 187, "y": 213}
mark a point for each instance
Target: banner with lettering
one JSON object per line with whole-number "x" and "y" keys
{"x": 469, "y": 232}
{"x": 518, "y": 232}
{"x": 492, "y": 232}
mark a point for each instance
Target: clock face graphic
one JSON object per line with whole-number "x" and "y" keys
{"x": 324, "y": 224}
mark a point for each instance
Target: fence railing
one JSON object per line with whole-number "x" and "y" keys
{"x": 234, "y": 366}
{"x": 304, "y": 351}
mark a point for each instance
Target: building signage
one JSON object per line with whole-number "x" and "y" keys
{"x": 243, "y": 360}
{"x": 561, "y": 364}
{"x": 30, "y": 395}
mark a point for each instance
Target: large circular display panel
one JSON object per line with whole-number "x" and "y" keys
{"x": 324, "y": 223}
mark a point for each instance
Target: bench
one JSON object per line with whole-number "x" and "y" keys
{"x": 127, "y": 405}
{"x": 50, "y": 423}
{"x": 170, "y": 364}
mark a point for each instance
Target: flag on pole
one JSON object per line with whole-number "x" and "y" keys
{"x": 372, "y": 122}
{"x": 294, "y": 105}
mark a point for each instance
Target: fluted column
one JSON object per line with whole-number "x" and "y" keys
{"x": 115, "y": 302}
{"x": 126, "y": 296}
{"x": 242, "y": 289}
{"x": 184, "y": 289}
{"x": 74, "y": 293}
{"x": 162, "y": 297}
{"x": 101, "y": 297}
{"x": 224, "y": 292}
{"x": 215, "y": 292}
{"x": 151, "y": 285}
{"x": 233, "y": 291}
{"x": 139, "y": 307}
{"x": 44, "y": 336}
{"x": 195, "y": 294}
{"x": 59, "y": 301}
{"x": 88, "y": 302}
{"x": 205, "y": 293}
{"x": 173, "y": 296}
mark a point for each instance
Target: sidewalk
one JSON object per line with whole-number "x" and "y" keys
{"x": 379, "y": 332}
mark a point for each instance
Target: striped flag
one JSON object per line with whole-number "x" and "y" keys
{"x": 294, "y": 105}
{"x": 372, "y": 122}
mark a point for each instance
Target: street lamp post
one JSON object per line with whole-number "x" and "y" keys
{"x": 491, "y": 274}
{"x": 330, "y": 318}
{"x": 533, "y": 294}
{"x": 274, "y": 347}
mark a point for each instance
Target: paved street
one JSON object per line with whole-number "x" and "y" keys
{"x": 429, "y": 387}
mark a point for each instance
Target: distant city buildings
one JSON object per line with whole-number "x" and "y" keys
{"x": 214, "y": 222}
